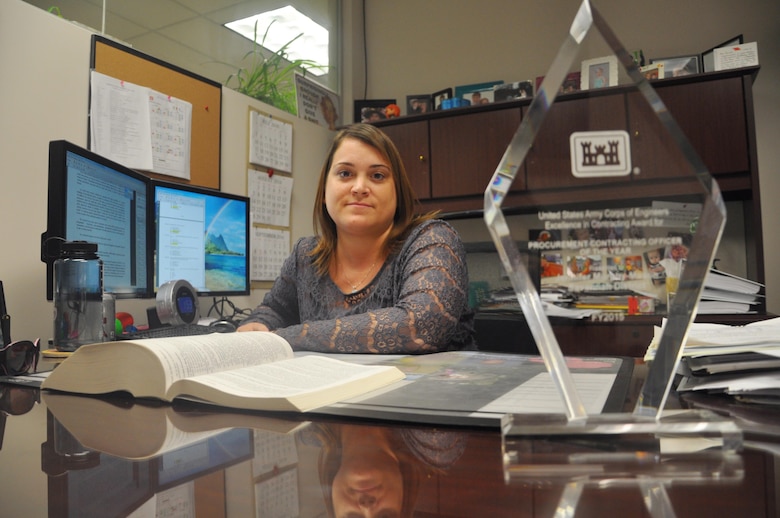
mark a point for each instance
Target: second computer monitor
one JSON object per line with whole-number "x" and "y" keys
{"x": 202, "y": 236}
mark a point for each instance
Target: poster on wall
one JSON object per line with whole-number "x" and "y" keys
{"x": 316, "y": 103}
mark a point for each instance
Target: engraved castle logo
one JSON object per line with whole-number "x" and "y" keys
{"x": 600, "y": 156}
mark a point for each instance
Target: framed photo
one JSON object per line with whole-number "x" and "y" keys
{"x": 439, "y": 96}
{"x": 478, "y": 93}
{"x": 678, "y": 66}
{"x": 708, "y": 56}
{"x": 571, "y": 83}
{"x": 416, "y": 104}
{"x": 512, "y": 91}
{"x": 371, "y": 110}
{"x": 653, "y": 71}
{"x": 599, "y": 73}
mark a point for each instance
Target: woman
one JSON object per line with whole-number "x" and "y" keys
{"x": 376, "y": 470}
{"x": 376, "y": 278}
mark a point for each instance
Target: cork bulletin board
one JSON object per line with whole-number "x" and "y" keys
{"x": 126, "y": 64}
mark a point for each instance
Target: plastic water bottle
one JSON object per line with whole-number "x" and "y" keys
{"x": 78, "y": 296}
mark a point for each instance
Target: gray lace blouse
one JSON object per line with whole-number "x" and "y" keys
{"x": 417, "y": 303}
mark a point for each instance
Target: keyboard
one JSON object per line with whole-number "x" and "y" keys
{"x": 170, "y": 331}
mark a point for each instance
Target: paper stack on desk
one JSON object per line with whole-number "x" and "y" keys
{"x": 737, "y": 360}
{"x": 724, "y": 293}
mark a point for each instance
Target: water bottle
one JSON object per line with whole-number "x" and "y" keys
{"x": 78, "y": 296}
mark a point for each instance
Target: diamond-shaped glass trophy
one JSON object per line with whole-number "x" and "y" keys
{"x": 640, "y": 225}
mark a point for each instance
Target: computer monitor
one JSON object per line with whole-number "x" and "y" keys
{"x": 95, "y": 199}
{"x": 201, "y": 236}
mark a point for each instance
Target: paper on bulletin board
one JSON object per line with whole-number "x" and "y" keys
{"x": 270, "y": 247}
{"x": 171, "y": 123}
{"x": 139, "y": 127}
{"x": 270, "y": 196}
{"x": 119, "y": 122}
{"x": 270, "y": 142}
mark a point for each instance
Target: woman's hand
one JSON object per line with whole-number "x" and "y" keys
{"x": 252, "y": 326}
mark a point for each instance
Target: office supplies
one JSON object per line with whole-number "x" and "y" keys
{"x": 252, "y": 371}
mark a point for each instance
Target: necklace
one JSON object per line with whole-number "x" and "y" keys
{"x": 357, "y": 285}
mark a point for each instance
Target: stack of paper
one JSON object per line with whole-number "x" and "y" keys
{"x": 736, "y": 360}
{"x": 727, "y": 293}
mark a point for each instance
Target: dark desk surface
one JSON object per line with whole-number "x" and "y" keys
{"x": 46, "y": 471}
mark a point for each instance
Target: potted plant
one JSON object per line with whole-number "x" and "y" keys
{"x": 269, "y": 77}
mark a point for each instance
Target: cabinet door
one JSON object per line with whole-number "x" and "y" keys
{"x": 411, "y": 139}
{"x": 549, "y": 161}
{"x": 712, "y": 116}
{"x": 467, "y": 148}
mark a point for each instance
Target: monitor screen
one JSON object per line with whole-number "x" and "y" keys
{"x": 202, "y": 236}
{"x": 94, "y": 199}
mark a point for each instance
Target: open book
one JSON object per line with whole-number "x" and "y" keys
{"x": 251, "y": 371}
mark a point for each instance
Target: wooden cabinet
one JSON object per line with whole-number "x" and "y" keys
{"x": 458, "y": 150}
{"x": 711, "y": 113}
{"x": 412, "y": 142}
{"x": 467, "y": 150}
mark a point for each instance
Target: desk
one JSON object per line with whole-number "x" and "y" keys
{"x": 459, "y": 473}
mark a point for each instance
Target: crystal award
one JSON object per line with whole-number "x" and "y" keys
{"x": 639, "y": 226}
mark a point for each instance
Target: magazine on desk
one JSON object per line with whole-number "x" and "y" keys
{"x": 473, "y": 388}
{"x": 250, "y": 371}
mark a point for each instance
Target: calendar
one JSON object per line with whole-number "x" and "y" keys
{"x": 270, "y": 142}
{"x": 273, "y": 451}
{"x": 270, "y": 247}
{"x": 270, "y": 197}
{"x": 278, "y": 496}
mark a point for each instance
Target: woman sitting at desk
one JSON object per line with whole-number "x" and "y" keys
{"x": 376, "y": 278}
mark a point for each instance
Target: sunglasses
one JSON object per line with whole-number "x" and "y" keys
{"x": 18, "y": 357}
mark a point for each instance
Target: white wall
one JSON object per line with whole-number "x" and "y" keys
{"x": 44, "y": 62}
{"x": 417, "y": 47}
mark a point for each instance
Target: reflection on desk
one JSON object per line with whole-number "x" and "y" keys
{"x": 298, "y": 468}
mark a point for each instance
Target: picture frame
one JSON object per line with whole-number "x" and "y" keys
{"x": 678, "y": 66}
{"x": 653, "y": 71}
{"x": 438, "y": 97}
{"x": 477, "y": 93}
{"x": 513, "y": 91}
{"x": 371, "y": 110}
{"x": 571, "y": 83}
{"x": 708, "y": 56}
{"x": 417, "y": 104}
{"x": 599, "y": 73}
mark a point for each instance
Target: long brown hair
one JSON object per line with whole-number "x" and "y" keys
{"x": 405, "y": 218}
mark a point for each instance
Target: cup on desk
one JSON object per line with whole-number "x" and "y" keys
{"x": 672, "y": 285}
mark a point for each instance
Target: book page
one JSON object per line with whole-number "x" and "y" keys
{"x": 313, "y": 380}
{"x": 201, "y": 354}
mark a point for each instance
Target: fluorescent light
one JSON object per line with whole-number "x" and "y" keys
{"x": 288, "y": 23}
